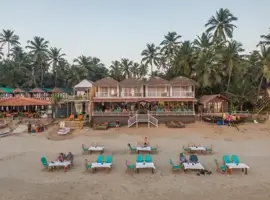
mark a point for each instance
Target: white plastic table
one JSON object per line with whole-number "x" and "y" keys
{"x": 101, "y": 165}
{"x": 64, "y": 164}
{"x": 193, "y": 166}
{"x": 242, "y": 166}
{"x": 146, "y": 149}
{"x": 197, "y": 148}
{"x": 145, "y": 166}
{"x": 97, "y": 148}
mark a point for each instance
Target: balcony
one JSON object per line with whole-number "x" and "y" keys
{"x": 105, "y": 95}
{"x": 183, "y": 94}
{"x": 131, "y": 94}
{"x": 157, "y": 94}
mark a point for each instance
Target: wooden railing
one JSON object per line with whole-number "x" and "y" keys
{"x": 171, "y": 113}
{"x": 96, "y": 113}
{"x": 261, "y": 104}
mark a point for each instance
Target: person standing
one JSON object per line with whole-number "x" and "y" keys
{"x": 29, "y": 127}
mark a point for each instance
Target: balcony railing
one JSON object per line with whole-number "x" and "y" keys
{"x": 157, "y": 94}
{"x": 171, "y": 113}
{"x": 96, "y": 113}
{"x": 105, "y": 94}
{"x": 130, "y": 94}
{"x": 185, "y": 94}
{"x": 76, "y": 97}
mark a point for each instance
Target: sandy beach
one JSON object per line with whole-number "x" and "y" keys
{"x": 22, "y": 177}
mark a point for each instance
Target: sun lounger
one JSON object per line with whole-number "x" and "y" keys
{"x": 175, "y": 167}
{"x": 226, "y": 159}
{"x": 45, "y": 163}
{"x": 132, "y": 150}
{"x": 109, "y": 159}
{"x": 85, "y": 149}
{"x": 87, "y": 165}
{"x": 235, "y": 159}
{"x": 148, "y": 158}
{"x": 220, "y": 168}
{"x": 130, "y": 166}
{"x": 100, "y": 159}
{"x": 139, "y": 158}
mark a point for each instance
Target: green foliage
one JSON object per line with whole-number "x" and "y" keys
{"x": 214, "y": 59}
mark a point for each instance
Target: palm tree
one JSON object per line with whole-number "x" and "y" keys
{"x": 55, "y": 56}
{"x": 184, "y": 60}
{"x": 170, "y": 45}
{"x": 82, "y": 61}
{"x": 231, "y": 58}
{"x": 126, "y": 65}
{"x": 1, "y": 53}
{"x": 9, "y": 37}
{"x": 203, "y": 42}
{"x": 221, "y": 24}
{"x": 263, "y": 60}
{"x": 142, "y": 71}
{"x": 39, "y": 52}
{"x": 115, "y": 71}
{"x": 266, "y": 39}
{"x": 151, "y": 56}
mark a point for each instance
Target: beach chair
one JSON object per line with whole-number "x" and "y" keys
{"x": 226, "y": 159}
{"x": 193, "y": 159}
{"x": 148, "y": 158}
{"x": 175, "y": 167}
{"x": 109, "y": 159}
{"x": 130, "y": 166}
{"x": 87, "y": 165}
{"x": 186, "y": 149}
{"x": 100, "y": 159}
{"x": 220, "y": 168}
{"x": 139, "y": 158}
{"x": 85, "y": 149}
{"x": 209, "y": 149}
{"x": 235, "y": 159}
{"x": 132, "y": 150}
{"x": 154, "y": 149}
{"x": 45, "y": 163}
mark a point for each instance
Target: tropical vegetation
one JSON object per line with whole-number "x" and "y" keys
{"x": 214, "y": 59}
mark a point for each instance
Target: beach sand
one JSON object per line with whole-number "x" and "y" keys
{"x": 22, "y": 177}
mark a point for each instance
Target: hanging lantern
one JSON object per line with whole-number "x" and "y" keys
{"x": 24, "y": 108}
{"x": 42, "y": 107}
{"x": 36, "y": 108}
{"x": 7, "y": 108}
{"x": 132, "y": 92}
{"x": 2, "y": 108}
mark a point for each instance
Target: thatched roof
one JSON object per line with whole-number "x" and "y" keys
{"x": 180, "y": 80}
{"x": 131, "y": 82}
{"x": 108, "y": 81}
{"x": 206, "y": 98}
{"x": 156, "y": 81}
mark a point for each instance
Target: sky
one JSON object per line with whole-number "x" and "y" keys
{"x": 115, "y": 29}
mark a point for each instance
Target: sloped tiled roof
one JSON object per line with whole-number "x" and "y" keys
{"x": 131, "y": 82}
{"x": 180, "y": 80}
{"x": 23, "y": 101}
{"x": 206, "y": 98}
{"x": 108, "y": 81}
{"x": 156, "y": 81}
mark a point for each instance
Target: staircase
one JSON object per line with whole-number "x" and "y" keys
{"x": 261, "y": 104}
{"x": 137, "y": 118}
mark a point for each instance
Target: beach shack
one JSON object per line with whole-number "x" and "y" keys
{"x": 215, "y": 103}
{"x": 153, "y": 101}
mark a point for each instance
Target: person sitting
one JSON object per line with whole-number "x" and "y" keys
{"x": 146, "y": 142}
{"x": 182, "y": 158}
{"x": 70, "y": 157}
{"x": 61, "y": 157}
{"x": 193, "y": 159}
